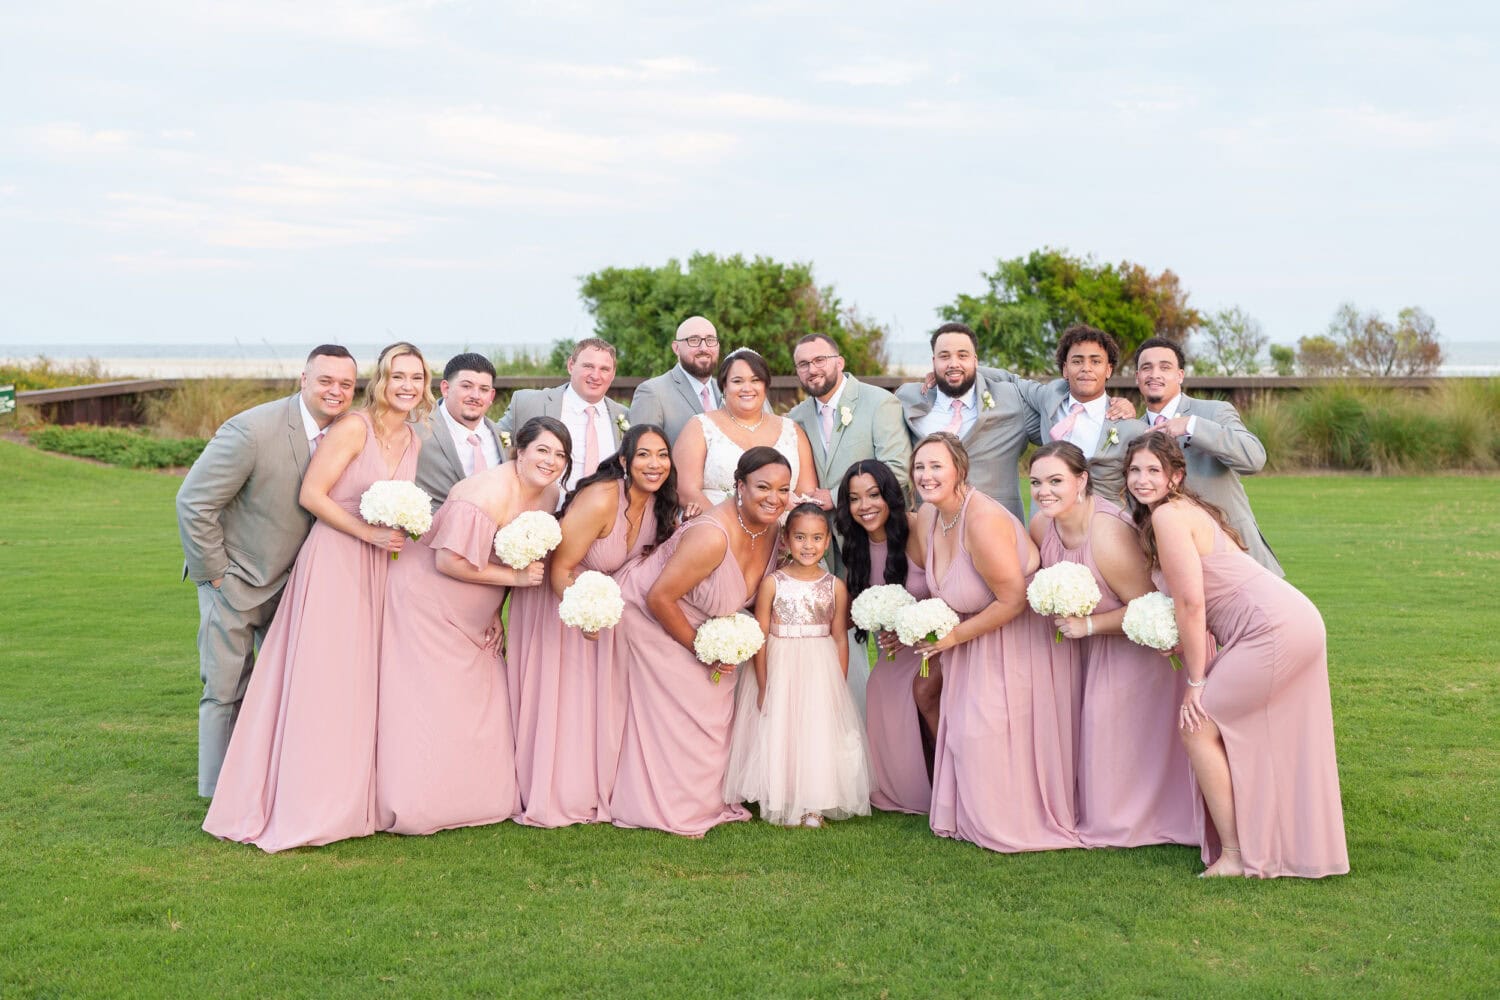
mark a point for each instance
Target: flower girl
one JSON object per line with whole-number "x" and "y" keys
{"x": 797, "y": 748}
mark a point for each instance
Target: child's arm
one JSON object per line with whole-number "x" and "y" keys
{"x": 763, "y": 599}
{"x": 841, "y": 623}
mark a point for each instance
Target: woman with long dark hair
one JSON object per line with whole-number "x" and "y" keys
{"x": 901, "y": 708}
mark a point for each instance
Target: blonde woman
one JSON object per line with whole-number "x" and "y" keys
{"x": 300, "y": 767}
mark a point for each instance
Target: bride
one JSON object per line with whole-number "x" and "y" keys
{"x": 710, "y": 445}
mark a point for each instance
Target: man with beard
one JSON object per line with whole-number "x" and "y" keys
{"x": 987, "y": 414}
{"x": 672, "y": 399}
{"x": 462, "y": 440}
{"x": 846, "y": 420}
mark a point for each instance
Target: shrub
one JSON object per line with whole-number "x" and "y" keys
{"x": 1331, "y": 422}
{"x": 1272, "y": 420}
{"x": 197, "y": 407}
{"x": 118, "y": 446}
{"x": 43, "y": 373}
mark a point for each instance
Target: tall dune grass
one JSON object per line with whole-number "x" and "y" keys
{"x": 44, "y": 373}
{"x": 197, "y": 407}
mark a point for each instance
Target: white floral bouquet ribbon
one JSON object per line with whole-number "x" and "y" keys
{"x": 1063, "y": 590}
{"x": 529, "y": 537}
{"x": 1151, "y": 621}
{"x": 592, "y": 602}
{"x": 925, "y": 621}
{"x": 397, "y": 503}
{"x": 727, "y": 639}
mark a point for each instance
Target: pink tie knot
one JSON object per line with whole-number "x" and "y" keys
{"x": 708, "y": 400}
{"x": 478, "y": 451}
{"x": 1065, "y": 426}
{"x": 958, "y": 417}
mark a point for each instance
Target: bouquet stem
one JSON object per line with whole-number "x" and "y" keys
{"x": 716, "y": 675}
{"x": 922, "y": 670}
{"x": 1057, "y": 636}
{"x": 1176, "y": 663}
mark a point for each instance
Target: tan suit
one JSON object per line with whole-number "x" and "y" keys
{"x": 239, "y": 519}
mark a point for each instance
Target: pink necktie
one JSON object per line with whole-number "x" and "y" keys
{"x": 958, "y": 417}
{"x": 479, "y": 463}
{"x": 312, "y": 449}
{"x": 1065, "y": 426}
{"x": 590, "y": 444}
{"x": 827, "y": 421}
{"x": 708, "y": 400}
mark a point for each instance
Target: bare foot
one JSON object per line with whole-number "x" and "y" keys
{"x": 1227, "y": 866}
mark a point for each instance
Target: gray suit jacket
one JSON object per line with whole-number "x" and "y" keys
{"x": 669, "y": 401}
{"x": 876, "y": 429}
{"x": 528, "y": 403}
{"x": 237, "y": 510}
{"x": 1220, "y": 450}
{"x": 1000, "y": 434}
{"x": 439, "y": 465}
{"x": 1107, "y": 467}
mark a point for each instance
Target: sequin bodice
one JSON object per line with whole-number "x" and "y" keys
{"x": 802, "y": 608}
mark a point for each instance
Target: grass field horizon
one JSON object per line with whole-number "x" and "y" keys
{"x": 108, "y": 887}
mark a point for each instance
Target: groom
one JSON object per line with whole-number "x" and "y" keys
{"x": 241, "y": 529}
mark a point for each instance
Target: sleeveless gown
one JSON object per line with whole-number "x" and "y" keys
{"x": 1003, "y": 771}
{"x": 445, "y": 753}
{"x": 804, "y": 751}
{"x": 569, "y": 694}
{"x": 898, "y": 766}
{"x": 1267, "y": 692}
{"x": 722, "y": 455}
{"x": 1134, "y": 784}
{"x": 300, "y": 769}
{"x": 675, "y": 747}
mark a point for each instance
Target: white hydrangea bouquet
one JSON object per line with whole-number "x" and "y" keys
{"x": 727, "y": 639}
{"x": 592, "y": 602}
{"x": 528, "y": 538}
{"x": 397, "y": 503}
{"x": 1151, "y": 620}
{"x": 1063, "y": 590}
{"x": 925, "y": 621}
{"x": 875, "y": 609}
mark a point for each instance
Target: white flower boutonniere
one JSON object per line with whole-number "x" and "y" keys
{"x": 1114, "y": 436}
{"x": 505, "y": 439}
{"x": 846, "y": 416}
{"x": 623, "y": 423}
{"x": 986, "y": 401}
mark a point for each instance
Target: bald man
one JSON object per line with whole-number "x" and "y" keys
{"x": 672, "y": 399}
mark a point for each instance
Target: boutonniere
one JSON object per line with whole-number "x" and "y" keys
{"x": 623, "y": 423}
{"x": 846, "y": 416}
{"x": 505, "y": 439}
{"x": 986, "y": 401}
{"x": 1114, "y": 436}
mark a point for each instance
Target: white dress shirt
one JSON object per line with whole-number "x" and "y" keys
{"x": 833, "y": 404}
{"x": 309, "y": 425}
{"x": 460, "y": 435}
{"x": 1090, "y": 422}
{"x": 575, "y": 420}
{"x": 1168, "y": 411}
{"x": 941, "y": 414}
{"x": 699, "y": 384}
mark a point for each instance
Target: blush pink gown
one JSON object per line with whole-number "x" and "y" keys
{"x": 1268, "y": 693}
{"x": 300, "y": 769}
{"x": 675, "y": 749}
{"x": 898, "y": 767}
{"x": 1134, "y": 785}
{"x": 1003, "y": 771}
{"x": 570, "y": 694}
{"x": 445, "y": 754}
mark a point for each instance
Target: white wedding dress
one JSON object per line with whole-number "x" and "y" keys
{"x": 721, "y": 455}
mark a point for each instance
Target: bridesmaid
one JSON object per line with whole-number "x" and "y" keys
{"x": 446, "y": 752}
{"x": 1133, "y": 780}
{"x": 1003, "y": 774}
{"x": 676, "y": 743}
{"x": 1257, "y": 718}
{"x": 572, "y": 705}
{"x": 300, "y": 767}
{"x": 901, "y": 708}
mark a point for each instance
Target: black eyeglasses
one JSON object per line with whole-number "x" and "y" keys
{"x": 818, "y": 362}
{"x": 697, "y": 342}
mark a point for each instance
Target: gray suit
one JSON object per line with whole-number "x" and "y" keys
{"x": 528, "y": 403}
{"x": 439, "y": 465}
{"x": 995, "y": 442}
{"x": 669, "y": 401}
{"x": 1220, "y": 450}
{"x": 239, "y": 519}
{"x": 1107, "y": 466}
{"x": 876, "y": 430}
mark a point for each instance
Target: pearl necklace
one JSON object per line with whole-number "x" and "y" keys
{"x": 948, "y": 526}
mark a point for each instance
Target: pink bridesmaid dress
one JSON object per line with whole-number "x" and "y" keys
{"x": 570, "y": 694}
{"x": 1268, "y": 693}
{"x": 300, "y": 769}
{"x": 1134, "y": 784}
{"x": 675, "y": 749}
{"x": 899, "y": 769}
{"x": 445, "y": 753}
{"x": 1003, "y": 771}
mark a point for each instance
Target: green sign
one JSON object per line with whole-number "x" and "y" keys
{"x": 7, "y": 399}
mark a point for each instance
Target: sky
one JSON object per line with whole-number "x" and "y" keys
{"x": 296, "y": 171}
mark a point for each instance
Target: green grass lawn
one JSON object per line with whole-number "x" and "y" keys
{"x": 109, "y": 887}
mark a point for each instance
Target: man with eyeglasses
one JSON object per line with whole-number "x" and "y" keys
{"x": 672, "y": 399}
{"x": 846, "y": 420}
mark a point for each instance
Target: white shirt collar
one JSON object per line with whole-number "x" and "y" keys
{"x": 1094, "y": 408}
{"x": 458, "y": 430}
{"x": 574, "y": 403}
{"x": 1169, "y": 410}
{"x": 308, "y": 423}
{"x": 944, "y": 401}
{"x": 833, "y": 401}
{"x": 701, "y": 383}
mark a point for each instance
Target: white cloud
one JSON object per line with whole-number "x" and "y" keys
{"x": 881, "y": 73}
{"x": 225, "y": 226}
{"x": 386, "y": 24}
{"x": 477, "y": 134}
{"x": 640, "y": 71}
{"x": 161, "y": 262}
{"x": 70, "y": 139}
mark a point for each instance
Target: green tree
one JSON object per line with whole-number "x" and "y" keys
{"x": 1030, "y": 300}
{"x": 1283, "y": 359}
{"x": 1372, "y": 346}
{"x": 1319, "y": 355}
{"x": 1231, "y": 342}
{"x": 761, "y": 304}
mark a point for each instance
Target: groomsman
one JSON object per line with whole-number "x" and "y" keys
{"x": 671, "y": 399}
{"x": 241, "y": 529}
{"x": 987, "y": 414}
{"x": 462, "y": 440}
{"x": 846, "y": 420}
{"x": 595, "y": 421}
{"x": 1216, "y": 444}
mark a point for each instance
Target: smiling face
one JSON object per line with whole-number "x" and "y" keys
{"x": 1158, "y": 375}
{"x": 542, "y": 461}
{"x": 764, "y": 493}
{"x": 592, "y": 373}
{"x": 698, "y": 360}
{"x": 468, "y": 396}
{"x": 407, "y": 383}
{"x": 819, "y": 366}
{"x": 744, "y": 392}
{"x": 1148, "y": 479}
{"x": 1087, "y": 368}
{"x": 867, "y": 506}
{"x": 954, "y": 363}
{"x": 647, "y": 467}
{"x": 935, "y": 473}
{"x": 1055, "y": 487}
{"x": 807, "y": 538}
{"x": 328, "y": 387}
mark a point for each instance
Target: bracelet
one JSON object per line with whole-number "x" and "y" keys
{"x": 1196, "y": 684}
{"x": 1090, "y": 620}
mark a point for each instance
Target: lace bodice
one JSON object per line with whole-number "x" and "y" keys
{"x": 721, "y": 455}
{"x": 802, "y": 608}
